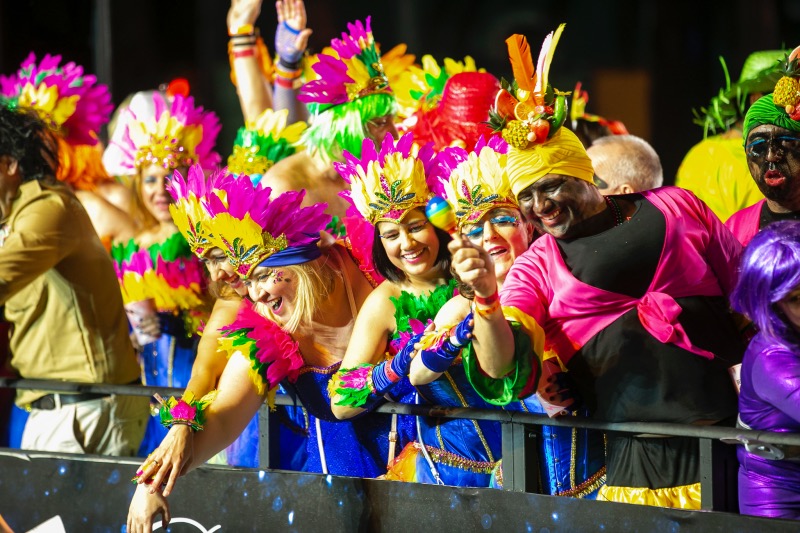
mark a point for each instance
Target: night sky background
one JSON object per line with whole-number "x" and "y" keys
{"x": 647, "y": 63}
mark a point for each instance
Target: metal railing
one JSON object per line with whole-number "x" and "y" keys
{"x": 519, "y": 434}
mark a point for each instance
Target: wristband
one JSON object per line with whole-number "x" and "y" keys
{"x": 489, "y": 300}
{"x": 243, "y": 31}
{"x": 249, "y": 52}
{"x": 486, "y": 311}
{"x": 186, "y": 411}
{"x": 284, "y": 72}
{"x": 283, "y": 82}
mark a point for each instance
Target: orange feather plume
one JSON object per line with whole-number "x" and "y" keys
{"x": 521, "y": 62}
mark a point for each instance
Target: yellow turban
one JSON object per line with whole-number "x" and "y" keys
{"x": 563, "y": 154}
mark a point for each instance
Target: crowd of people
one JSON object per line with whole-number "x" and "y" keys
{"x": 387, "y": 230}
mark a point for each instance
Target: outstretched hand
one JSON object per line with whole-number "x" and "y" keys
{"x": 145, "y": 507}
{"x": 167, "y": 461}
{"x": 474, "y": 266}
{"x": 291, "y": 35}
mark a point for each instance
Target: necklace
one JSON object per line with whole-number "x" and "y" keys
{"x": 615, "y": 210}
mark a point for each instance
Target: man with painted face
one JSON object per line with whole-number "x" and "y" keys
{"x": 772, "y": 148}
{"x": 630, "y": 293}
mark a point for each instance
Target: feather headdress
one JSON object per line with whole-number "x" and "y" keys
{"x": 354, "y": 72}
{"x": 529, "y": 110}
{"x": 475, "y": 182}
{"x": 170, "y": 133}
{"x": 253, "y": 229}
{"x": 69, "y": 102}
{"x": 264, "y": 142}
{"x": 387, "y": 184}
{"x": 188, "y": 212}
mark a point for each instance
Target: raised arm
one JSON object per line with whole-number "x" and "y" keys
{"x": 493, "y": 340}
{"x": 291, "y": 40}
{"x": 253, "y": 89}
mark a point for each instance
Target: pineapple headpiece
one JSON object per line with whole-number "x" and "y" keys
{"x": 386, "y": 185}
{"x": 69, "y": 102}
{"x": 476, "y": 182}
{"x": 782, "y": 107}
{"x": 356, "y": 70}
{"x": 158, "y": 131}
{"x": 264, "y": 142}
{"x": 529, "y": 111}
{"x": 188, "y": 212}
{"x": 254, "y": 230}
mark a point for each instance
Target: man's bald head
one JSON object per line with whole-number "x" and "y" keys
{"x": 624, "y": 164}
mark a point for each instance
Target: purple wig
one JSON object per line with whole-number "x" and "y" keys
{"x": 769, "y": 271}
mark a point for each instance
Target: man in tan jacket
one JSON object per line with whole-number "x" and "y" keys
{"x": 63, "y": 301}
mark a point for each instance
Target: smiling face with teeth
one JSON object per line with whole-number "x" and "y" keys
{"x": 273, "y": 288}
{"x": 153, "y": 195}
{"x": 412, "y": 245}
{"x": 563, "y": 206}
{"x": 504, "y": 234}
{"x": 219, "y": 269}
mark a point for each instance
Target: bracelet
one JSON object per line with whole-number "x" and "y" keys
{"x": 487, "y": 311}
{"x": 283, "y": 82}
{"x": 250, "y": 52}
{"x": 489, "y": 300}
{"x": 288, "y": 74}
{"x": 245, "y": 30}
{"x": 186, "y": 411}
{"x": 244, "y": 44}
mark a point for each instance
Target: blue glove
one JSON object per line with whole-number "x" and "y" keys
{"x": 288, "y": 55}
{"x": 399, "y": 367}
{"x": 439, "y": 359}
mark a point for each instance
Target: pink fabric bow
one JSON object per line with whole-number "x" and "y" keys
{"x": 658, "y": 313}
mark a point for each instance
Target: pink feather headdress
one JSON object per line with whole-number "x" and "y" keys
{"x": 67, "y": 100}
{"x": 356, "y": 70}
{"x": 168, "y": 132}
{"x": 253, "y": 229}
{"x": 386, "y": 185}
{"x": 188, "y": 211}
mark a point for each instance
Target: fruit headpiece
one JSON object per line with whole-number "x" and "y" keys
{"x": 254, "y": 230}
{"x": 760, "y": 72}
{"x": 356, "y": 70}
{"x": 529, "y": 111}
{"x": 782, "y": 107}
{"x": 73, "y": 105}
{"x": 188, "y": 212}
{"x": 578, "y": 112}
{"x": 264, "y": 142}
{"x": 163, "y": 131}
{"x": 385, "y": 185}
{"x": 476, "y": 182}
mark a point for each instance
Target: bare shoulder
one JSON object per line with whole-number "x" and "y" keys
{"x": 290, "y": 174}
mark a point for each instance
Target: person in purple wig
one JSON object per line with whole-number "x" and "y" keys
{"x": 768, "y": 292}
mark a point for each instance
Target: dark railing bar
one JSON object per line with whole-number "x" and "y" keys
{"x": 499, "y": 415}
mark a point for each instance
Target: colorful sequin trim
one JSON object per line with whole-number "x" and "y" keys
{"x": 451, "y": 459}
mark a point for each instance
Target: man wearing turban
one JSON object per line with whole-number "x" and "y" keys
{"x": 772, "y": 148}
{"x": 630, "y": 293}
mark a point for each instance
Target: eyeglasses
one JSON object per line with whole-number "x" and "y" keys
{"x": 475, "y": 233}
{"x": 779, "y": 145}
{"x": 414, "y": 227}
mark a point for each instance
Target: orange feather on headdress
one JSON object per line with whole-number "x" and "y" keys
{"x": 519, "y": 53}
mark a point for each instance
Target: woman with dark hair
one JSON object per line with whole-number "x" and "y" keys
{"x": 768, "y": 292}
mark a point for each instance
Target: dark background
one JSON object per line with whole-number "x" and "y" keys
{"x": 647, "y": 63}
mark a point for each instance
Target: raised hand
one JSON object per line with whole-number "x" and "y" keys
{"x": 291, "y": 35}
{"x": 474, "y": 266}
{"x": 243, "y": 12}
